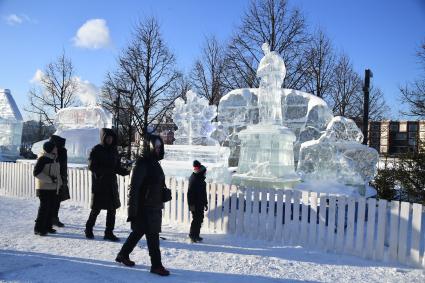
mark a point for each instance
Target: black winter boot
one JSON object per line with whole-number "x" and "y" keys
{"x": 124, "y": 260}
{"x": 160, "y": 271}
{"x": 57, "y": 223}
{"x": 111, "y": 237}
{"x": 89, "y": 233}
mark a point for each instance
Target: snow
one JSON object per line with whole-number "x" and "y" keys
{"x": 69, "y": 257}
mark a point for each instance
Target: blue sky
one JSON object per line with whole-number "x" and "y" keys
{"x": 382, "y": 35}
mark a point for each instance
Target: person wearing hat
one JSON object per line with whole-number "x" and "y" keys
{"x": 145, "y": 204}
{"x": 105, "y": 164}
{"x": 197, "y": 199}
{"x": 47, "y": 184}
{"x": 62, "y": 158}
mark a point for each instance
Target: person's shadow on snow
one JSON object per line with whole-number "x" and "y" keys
{"x": 32, "y": 266}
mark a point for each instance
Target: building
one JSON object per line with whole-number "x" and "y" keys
{"x": 394, "y": 137}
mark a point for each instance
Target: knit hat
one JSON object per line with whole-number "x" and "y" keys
{"x": 198, "y": 167}
{"x": 48, "y": 146}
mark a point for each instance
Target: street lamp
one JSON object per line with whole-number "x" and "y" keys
{"x": 366, "y": 87}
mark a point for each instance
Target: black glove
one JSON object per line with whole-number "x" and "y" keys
{"x": 206, "y": 208}
{"x": 54, "y": 179}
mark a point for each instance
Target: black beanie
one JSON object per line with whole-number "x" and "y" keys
{"x": 198, "y": 167}
{"x": 48, "y": 146}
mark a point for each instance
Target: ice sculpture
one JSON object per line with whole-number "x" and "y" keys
{"x": 193, "y": 141}
{"x": 80, "y": 126}
{"x": 193, "y": 120}
{"x": 266, "y": 151}
{"x": 324, "y": 147}
{"x": 11, "y": 123}
{"x": 338, "y": 155}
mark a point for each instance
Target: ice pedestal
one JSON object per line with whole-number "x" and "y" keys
{"x": 266, "y": 158}
{"x": 11, "y": 124}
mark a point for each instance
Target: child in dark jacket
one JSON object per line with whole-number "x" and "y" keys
{"x": 48, "y": 181}
{"x": 197, "y": 198}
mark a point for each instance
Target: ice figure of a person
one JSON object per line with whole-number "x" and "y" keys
{"x": 272, "y": 72}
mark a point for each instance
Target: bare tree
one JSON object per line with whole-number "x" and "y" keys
{"x": 378, "y": 109}
{"x": 118, "y": 97}
{"x": 346, "y": 96}
{"x": 347, "y": 85}
{"x": 273, "y": 22}
{"x": 320, "y": 64}
{"x": 207, "y": 76}
{"x": 146, "y": 70}
{"x": 413, "y": 94}
{"x": 58, "y": 89}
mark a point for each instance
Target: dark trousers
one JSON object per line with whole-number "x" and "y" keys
{"x": 55, "y": 213}
{"x": 152, "y": 240}
{"x": 139, "y": 227}
{"x": 110, "y": 220}
{"x": 197, "y": 219}
{"x": 45, "y": 210}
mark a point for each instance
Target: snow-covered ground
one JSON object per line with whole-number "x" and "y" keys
{"x": 69, "y": 257}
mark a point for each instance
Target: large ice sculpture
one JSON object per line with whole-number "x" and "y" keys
{"x": 266, "y": 151}
{"x": 11, "y": 123}
{"x": 80, "y": 126}
{"x": 193, "y": 141}
{"x": 338, "y": 155}
{"x": 324, "y": 148}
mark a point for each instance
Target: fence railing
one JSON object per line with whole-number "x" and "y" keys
{"x": 389, "y": 231}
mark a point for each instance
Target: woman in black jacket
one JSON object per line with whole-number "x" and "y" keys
{"x": 104, "y": 163}
{"x": 197, "y": 199}
{"x": 145, "y": 204}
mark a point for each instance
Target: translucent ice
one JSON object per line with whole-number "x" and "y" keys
{"x": 324, "y": 147}
{"x": 11, "y": 123}
{"x": 193, "y": 120}
{"x": 193, "y": 140}
{"x": 266, "y": 150}
{"x": 338, "y": 155}
{"x": 80, "y": 126}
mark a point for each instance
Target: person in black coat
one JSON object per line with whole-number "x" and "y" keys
{"x": 64, "y": 190}
{"x": 145, "y": 204}
{"x": 197, "y": 199}
{"x": 104, "y": 163}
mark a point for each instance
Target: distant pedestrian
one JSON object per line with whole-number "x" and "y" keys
{"x": 104, "y": 163}
{"x": 197, "y": 199}
{"x": 47, "y": 185}
{"x": 145, "y": 204}
{"x": 63, "y": 190}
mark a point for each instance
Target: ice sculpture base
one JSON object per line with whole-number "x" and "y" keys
{"x": 333, "y": 188}
{"x": 267, "y": 157}
{"x": 265, "y": 183}
{"x": 5, "y": 157}
{"x": 178, "y": 161}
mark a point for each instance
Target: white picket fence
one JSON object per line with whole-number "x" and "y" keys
{"x": 380, "y": 230}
